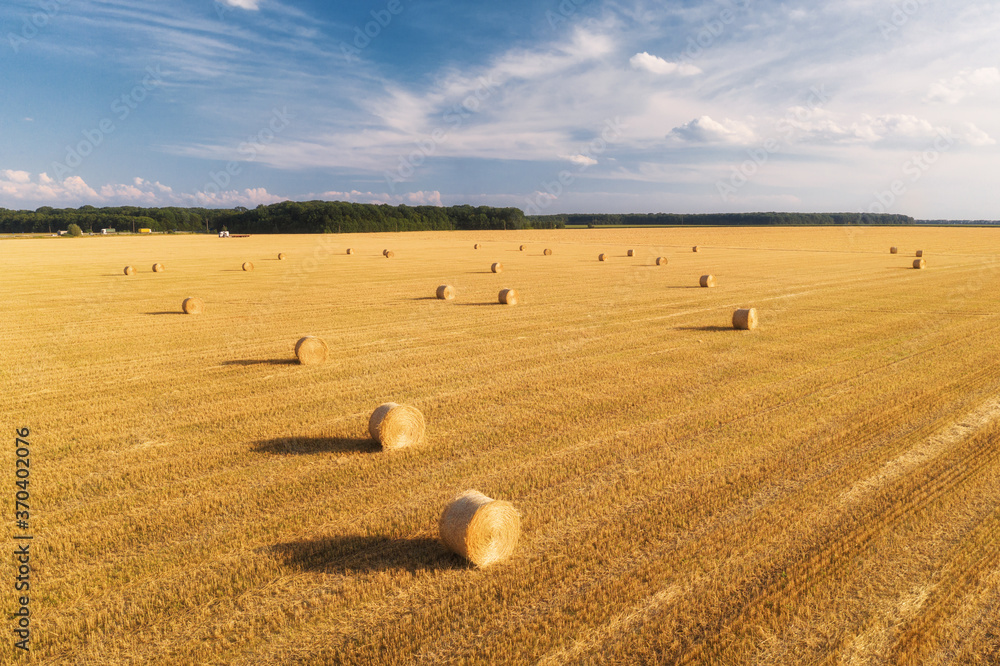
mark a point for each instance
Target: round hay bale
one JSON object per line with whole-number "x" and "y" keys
{"x": 159, "y": 268}
{"x": 919, "y": 263}
{"x": 247, "y": 266}
{"x": 480, "y": 529}
{"x": 281, "y": 256}
{"x": 547, "y": 252}
{"x": 508, "y": 296}
{"x": 129, "y": 270}
{"x": 389, "y": 254}
{"x": 707, "y": 281}
{"x": 477, "y": 246}
{"x": 497, "y": 267}
{"x": 350, "y": 250}
{"x": 745, "y": 320}
{"x": 694, "y": 249}
{"x": 311, "y": 350}
{"x": 396, "y": 426}
{"x": 893, "y": 250}
{"x": 446, "y": 292}
{"x": 385, "y": 253}
{"x": 193, "y": 305}
{"x": 602, "y": 257}
{"x": 523, "y": 248}
{"x": 661, "y": 261}
{"x": 920, "y": 253}
{"x": 631, "y": 253}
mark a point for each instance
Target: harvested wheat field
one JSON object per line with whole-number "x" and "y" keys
{"x": 822, "y": 489}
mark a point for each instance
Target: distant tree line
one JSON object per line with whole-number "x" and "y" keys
{"x": 288, "y": 217}
{"x": 722, "y": 219}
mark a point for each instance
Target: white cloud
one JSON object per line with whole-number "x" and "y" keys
{"x": 657, "y": 65}
{"x": 966, "y": 83}
{"x": 707, "y": 130}
{"x": 244, "y": 4}
{"x": 581, "y": 160}
{"x": 20, "y": 177}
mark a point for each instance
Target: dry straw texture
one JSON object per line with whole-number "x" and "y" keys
{"x": 694, "y": 249}
{"x": 497, "y": 267}
{"x": 389, "y": 254}
{"x": 894, "y": 250}
{"x": 311, "y": 350}
{"x": 707, "y": 281}
{"x": 480, "y": 529}
{"x": 446, "y": 292}
{"x": 523, "y": 248}
{"x": 247, "y": 266}
{"x": 602, "y": 257}
{"x": 547, "y": 252}
{"x": 193, "y": 305}
{"x": 661, "y": 261}
{"x": 281, "y": 255}
{"x": 129, "y": 270}
{"x": 920, "y": 253}
{"x": 631, "y": 253}
{"x": 396, "y": 426}
{"x": 350, "y": 250}
{"x": 919, "y": 263}
{"x": 508, "y": 296}
{"x": 159, "y": 268}
{"x": 745, "y": 319}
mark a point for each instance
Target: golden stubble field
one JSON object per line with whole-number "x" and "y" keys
{"x": 820, "y": 490}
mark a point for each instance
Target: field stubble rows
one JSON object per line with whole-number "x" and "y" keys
{"x": 818, "y": 490}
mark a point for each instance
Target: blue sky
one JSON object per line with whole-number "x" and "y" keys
{"x": 561, "y": 106}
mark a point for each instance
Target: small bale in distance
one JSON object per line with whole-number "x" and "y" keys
{"x": 446, "y": 292}
{"x": 193, "y": 305}
{"x": 129, "y": 270}
{"x": 631, "y": 253}
{"x": 602, "y": 257}
{"x": 396, "y": 426}
{"x": 920, "y": 253}
{"x": 497, "y": 267}
{"x": 661, "y": 261}
{"x": 547, "y": 252}
{"x": 893, "y": 250}
{"x": 281, "y": 255}
{"x": 311, "y": 350}
{"x": 159, "y": 268}
{"x": 477, "y": 246}
{"x": 694, "y": 249}
{"x": 385, "y": 252}
{"x": 479, "y": 528}
{"x": 389, "y": 254}
{"x": 523, "y": 248}
{"x": 707, "y": 281}
{"x": 350, "y": 250}
{"x": 247, "y": 266}
{"x": 745, "y": 319}
{"x": 508, "y": 296}
{"x": 919, "y": 263}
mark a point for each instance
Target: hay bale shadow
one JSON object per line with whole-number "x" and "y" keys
{"x": 304, "y": 446}
{"x": 488, "y": 303}
{"x": 426, "y": 298}
{"x": 705, "y": 328}
{"x": 169, "y": 312}
{"x": 266, "y": 361}
{"x": 366, "y": 554}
